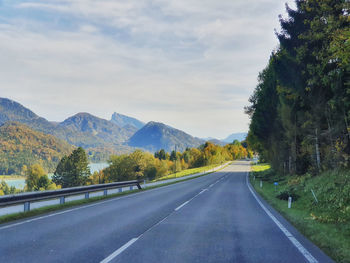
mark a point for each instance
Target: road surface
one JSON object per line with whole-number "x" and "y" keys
{"x": 214, "y": 218}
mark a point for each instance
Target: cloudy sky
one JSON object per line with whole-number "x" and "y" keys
{"x": 191, "y": 64}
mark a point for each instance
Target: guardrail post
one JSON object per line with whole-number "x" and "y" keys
{"x": 86, "y": 195}
{"x": 105, "y": 192}
{"x": 131, "y": 188}
{"x": 62, "y": 200}
{"x": 120, "y": 190}
{"x": 26, "y": 206}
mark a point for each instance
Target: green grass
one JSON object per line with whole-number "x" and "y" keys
{"x": 187, "y": 172}
{"x": 332, "y": 236}
{"x": 52, "y": 208}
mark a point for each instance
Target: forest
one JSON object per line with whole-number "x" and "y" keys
{"x": 300, "y": 108}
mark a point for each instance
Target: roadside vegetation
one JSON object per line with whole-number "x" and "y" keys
{"x": 72, "y": 170}
{"x": 323, "y": 218}
{"x": 300, "y": 115}
{"x": 187, "y": 172}
{"x": 72, "y": 204}
{"x": 300, "y": 109}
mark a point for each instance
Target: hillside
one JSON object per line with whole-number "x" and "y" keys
{"x": 98, "y": 136}
{"x": 126, "y": 121}
{"x": 91, "y": 125}
{"x": 155, "y": 136}
{"x": 82, "y": 129}
{"x": 235, "y": 136}
{"x": 20, "y": 145}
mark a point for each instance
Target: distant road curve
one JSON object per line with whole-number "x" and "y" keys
{"x": 214, "y": 218}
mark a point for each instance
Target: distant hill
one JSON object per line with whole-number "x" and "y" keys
{"x": 101, "y": 129}
{"x": 100, "y": 137}
{"x": 155, "y": 136}
{"x": 218, "y": 142}
{"x": 235, "y": 136}
{"x": 82, "y": 129}
{"x": 13, "y": 111}
{"x": 126, "y": 121}
{"x": 21, "y": 145}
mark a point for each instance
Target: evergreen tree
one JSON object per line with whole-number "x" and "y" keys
{"x": 73, "y": 170}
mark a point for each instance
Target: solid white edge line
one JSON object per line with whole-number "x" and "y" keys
{"x": 289, "y": 235}
{"x": 119, "y": 251}
{"x": 179, "y": 207}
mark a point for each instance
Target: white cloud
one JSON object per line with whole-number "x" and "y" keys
{"x": 189, "y": 63}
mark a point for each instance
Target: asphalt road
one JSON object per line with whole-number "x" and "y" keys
{"x": 214, "y": 218}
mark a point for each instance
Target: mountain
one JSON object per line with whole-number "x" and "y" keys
{"x": 13, "y": 111}
{"x": 21, "y": 145}
{"x": 104, "y": 132}
{"x": 82, "y": 129}
{"x": 155, "y": 136}
{"x": 123, "y": 121}
{"x": 235, "y": 136}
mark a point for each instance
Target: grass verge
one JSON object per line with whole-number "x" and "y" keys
{"x": 332, "y": 236}
{"x": 52, "y": 208}
{"x": 187, "y": 172}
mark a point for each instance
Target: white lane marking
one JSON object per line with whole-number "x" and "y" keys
{"x": 87, "y": 206}
{"x": 202, "y": 191}
{"x": 119, "y": 251}
{"x": 211, "y": 185}
{"x": 289, "y": 235}
{"x": 179, "y": 207}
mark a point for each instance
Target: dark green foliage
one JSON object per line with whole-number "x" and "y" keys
{"x": 72, "y": 170}
{"x": 284, "y": 195}
{"x": 161, "y": 155}
{"x": 300, "y": 109}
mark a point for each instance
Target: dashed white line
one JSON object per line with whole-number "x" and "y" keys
{"x": 84, "y": 206}
{"x": 179, "y": 207}
{"x": 119, "y": 251}
{"x": 289, "y": 235}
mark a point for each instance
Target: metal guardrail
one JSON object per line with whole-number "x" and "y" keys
{"x": 27, "y": 198}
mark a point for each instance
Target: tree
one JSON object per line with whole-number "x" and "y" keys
{"x": 37, "y": 179}
{"x": 5, "y": 189}
{"x": 72, "y": 170}
{"x": 300, "y": 109}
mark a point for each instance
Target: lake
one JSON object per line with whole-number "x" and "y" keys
{"x": 20, "y": 183}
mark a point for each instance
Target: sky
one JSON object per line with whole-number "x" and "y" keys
{"x": 191, "y": 64}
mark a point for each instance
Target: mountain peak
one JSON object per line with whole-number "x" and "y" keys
{"x": 123, "y": 120}
{"x": 14, "y": 111}
{"x": 156, "y": 135}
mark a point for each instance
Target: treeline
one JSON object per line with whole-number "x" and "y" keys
{"x": 300, "y": 109}
{"x": 143, "y": 165}
{"x": 73, "y": 170}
